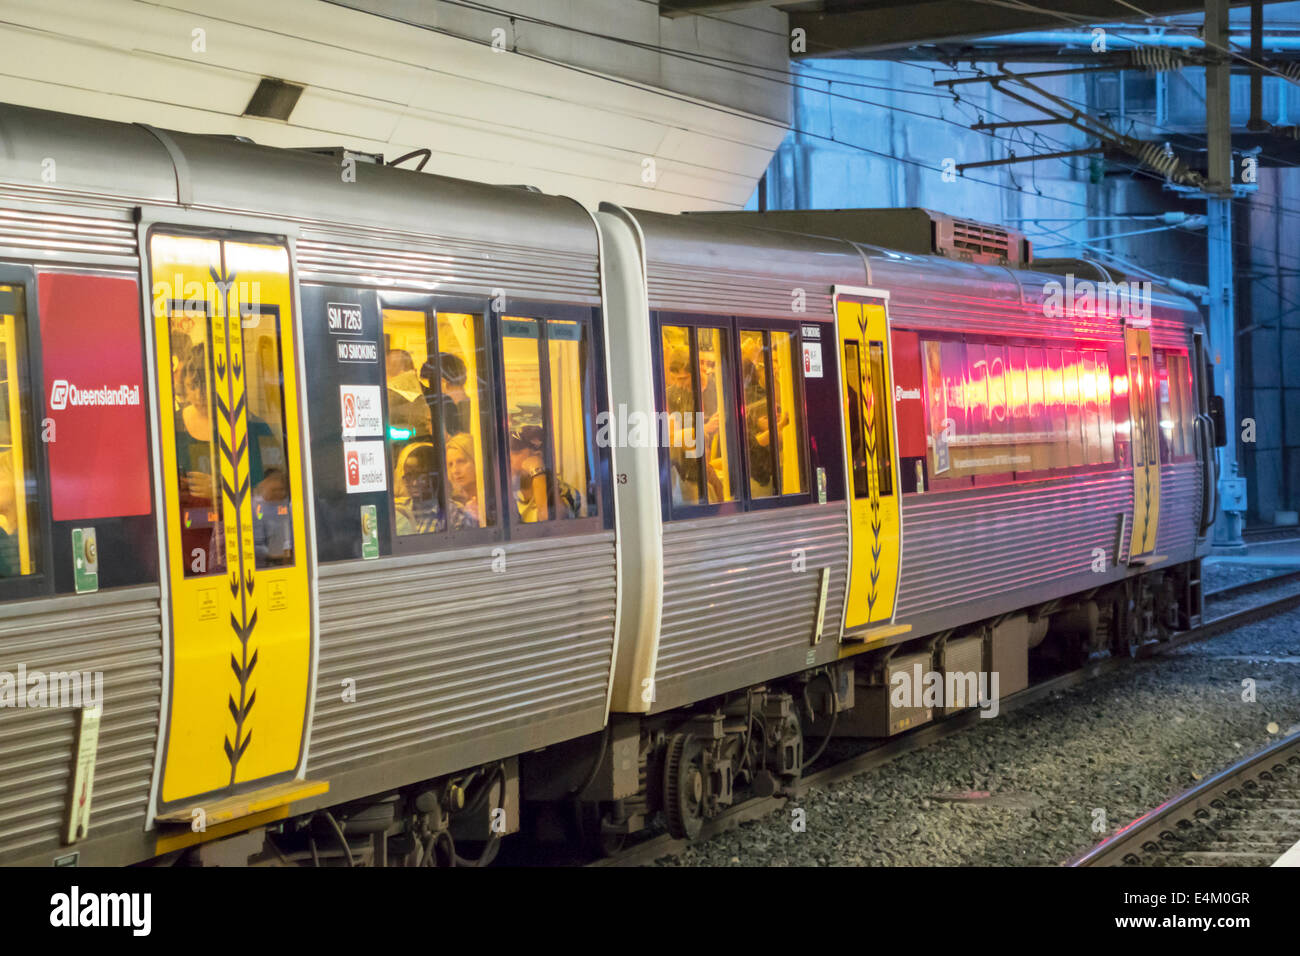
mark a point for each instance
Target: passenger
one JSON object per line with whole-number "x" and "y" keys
{"x": 272, "y": 531}
{"x": 463, "y": 476}
{"x": 417, "y": 506}
{"x": 180, "y": 349}
{"x": 758, "y": 428}
{"x": 451, "y": 397}
{"x": 194, "y": 431}
{"x": 406, "y": 408}
{"x": 10, "y": 555}
{"x": 679, "y": 401}
{"x": 528, "y": 473}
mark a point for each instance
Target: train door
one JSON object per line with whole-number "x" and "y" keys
{"x": 870, "y": 436}
{"x": 1145, "y": 423}
{"x": 233, "y": 504}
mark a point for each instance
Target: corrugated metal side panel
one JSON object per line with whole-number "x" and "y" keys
{"x": 1180, "y": 503}
{"x": 453, "y": 265}
{"x": 730, "y": 590}
{"x": 49, "y": 235}
{"x": 442, "y": 646}
{"x": 958, "y": 549}
{"x": 697, "y": 289}
{"x": 118, "y": 634}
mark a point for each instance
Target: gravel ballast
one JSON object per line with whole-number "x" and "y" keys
{"x": 1096, "y": 755}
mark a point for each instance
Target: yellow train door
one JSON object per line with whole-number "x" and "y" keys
{"x": 236, "y": 552}
{"x": 1144, "y": 422}
{"x": 871, "y": 444}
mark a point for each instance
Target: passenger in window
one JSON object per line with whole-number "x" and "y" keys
{"x": 452, "y": 376}
{"x": 10, "y": 555}
{"x": 679, "y": 400}
{"x": 180, "y": 349}
{"x": 416, "y": 503}
{"x": 407, "y": 409}
{"x": 194, "y": 431}
{"x": 528, "y": 473}
{"x": 463, "y": 475}
{"x": 761, "y": 469}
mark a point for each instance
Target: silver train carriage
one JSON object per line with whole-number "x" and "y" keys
{"x": 354, "y": 513}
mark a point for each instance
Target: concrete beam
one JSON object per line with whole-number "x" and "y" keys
{"x": 892, "y": 25}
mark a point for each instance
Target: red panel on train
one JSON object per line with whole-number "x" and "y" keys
{"x": 909, "y": 408}
{"x": 94, "y": 380}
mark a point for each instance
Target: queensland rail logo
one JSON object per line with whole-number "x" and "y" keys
{"x": 63, "y": 393}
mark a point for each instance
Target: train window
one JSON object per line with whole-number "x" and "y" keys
{"x": 788, "y": 415}
{"x": 761, "y": 444}
{"x": 879, "y": 404}
{"x": 713, "y": 353}
{"x": 1173, "y": 383}
{"x": 202, "y": 536}
{"x": 546, "y": 413}
{"x": 463, "y": 397}
{"x": 567, "y": 349}
{"x": 437, "y": 393}
{"x": 1105, "y": 415}
{"x": 267, "y": 449}
{"x": 19, "y": 519}
{"x": 1088, "y": 407}
{"x": 680, "y": 404}
{"x": 858, "y": 448}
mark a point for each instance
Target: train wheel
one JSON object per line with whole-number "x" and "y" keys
{"x": 684, "y": 786}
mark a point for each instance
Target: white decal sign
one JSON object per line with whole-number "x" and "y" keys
{"x": 363, "y": 463}
{"x": 812, "y": 360}
{"x": 363, "y": 416}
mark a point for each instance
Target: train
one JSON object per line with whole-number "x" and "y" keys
{"x": 354, "y": 515}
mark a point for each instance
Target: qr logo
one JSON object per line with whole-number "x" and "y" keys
{"x": 59, "y": 395}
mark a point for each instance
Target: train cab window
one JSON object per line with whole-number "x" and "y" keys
{"x": 773, "y": 426}
{"x": 547, "y": 402}
{"x": 202, "y": 535}
{"x": 437, "y": 392}
{"x": 19, "y": 520}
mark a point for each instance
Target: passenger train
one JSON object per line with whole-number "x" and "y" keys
{"x": 358, "y": 515}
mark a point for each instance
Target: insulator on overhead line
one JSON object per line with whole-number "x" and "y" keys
{"x": 1156, "y": 59}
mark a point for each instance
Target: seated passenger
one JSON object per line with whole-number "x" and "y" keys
{"x": 463, "y": 476}
{"x": 416, "y": 503}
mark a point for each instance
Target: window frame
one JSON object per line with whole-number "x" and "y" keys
{"x": 430, "y": 304}
{"x": 594, "y": 402}
{"x": 940, "y": 484}
{"x": 795, "y": 330}
{"x": 41, "y": 582}
{"x": 733, "y": 325}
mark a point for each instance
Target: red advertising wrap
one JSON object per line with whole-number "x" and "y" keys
{"x": 94, "y": 380}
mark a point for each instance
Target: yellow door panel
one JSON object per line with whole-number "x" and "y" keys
{"x": 233, "y": 500}
{"x": 872, "y": 460}
{"x": 1145, "y": 441}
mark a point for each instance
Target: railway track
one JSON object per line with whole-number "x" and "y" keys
{"x": 1247, "y": 815}
{"x": 878, "y": 754}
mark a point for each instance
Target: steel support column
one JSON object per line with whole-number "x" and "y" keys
{"x": 1232, "y": 487}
